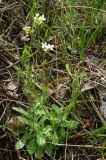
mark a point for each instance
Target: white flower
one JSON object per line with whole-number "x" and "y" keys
{"x": 27, "y": 29}
{"x": 25, "y": 38}
{"x": 47, "y": 47}
{"x": 42, "y": 18}
{"x": 37, "y": 15}
{"x": 39, "y": 19}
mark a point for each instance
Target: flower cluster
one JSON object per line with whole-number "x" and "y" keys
{"x": 47, "y": 47}
{"x": 39, "y": 19}
{"x": 27, "y": 30}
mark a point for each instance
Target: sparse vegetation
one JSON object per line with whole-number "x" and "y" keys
{"x": 52, "y": 71}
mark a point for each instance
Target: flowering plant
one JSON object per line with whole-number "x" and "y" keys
{"x": 39, "y": 19}
{"x": 47, "y": 47}
{"x": 27, "y": 30}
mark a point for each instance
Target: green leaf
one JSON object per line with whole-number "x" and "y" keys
{"x": 99, "y": 131}
{"x": 65, "y": 124}
{"x": 68, "y": 68}
{"x": 25, "y": 121}
{"x": 49, "y": 149}
{"x": 40, "y": 112}
{"x": 75, "y": 88}
{"x": 30, "y": 80}
{"x": 25, "y": 55}
{"x": 20, "y": 110}
{"x": 31, "y": 146}
{"x": 73, "y": 124}
{"x": 54, "y": 120}
{"x": 69, "y": 108}
{"x": 43, "y": 118}
{"x": 26, "y": 136}
{"x": 41, "y": 141}
{"x": 69, "y": 124}
{"x": 39, "y": 101}
{"x": 57, "y": 110}
{"x": 83, "y": 75}
{"x": 19, "y": 129}
{"x": 20, "y": 144}
{"x": 55, "y": 138}
{"x": 61, "y": 133}
{"x": 44, "y": 91}
{"x": 39, "y": 152}
{"x": 47, "y": 131}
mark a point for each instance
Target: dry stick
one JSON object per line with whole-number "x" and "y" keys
{"x": 84, "y": 152}
{"x": 10, "y": 66}
{"x": 11, "y": 6}
{"x": 66, "y": 149}
{"x": 18, "y": 102}
{"x": 83, "y": 146}
{"x": 7, "y": 150}
{"x": 3, "y": 113}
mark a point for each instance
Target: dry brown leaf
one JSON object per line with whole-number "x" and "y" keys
{"x": 11, "y": 88}
{"x": 14, "y": 122}
{"x": 89, "y": 85}
{"x": 86, "y": 123}
{"x": 60, "y": 92}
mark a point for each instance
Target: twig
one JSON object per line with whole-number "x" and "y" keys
{"x": 82, "y": 146}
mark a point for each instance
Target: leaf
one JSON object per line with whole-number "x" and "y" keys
{"x": 39, "y": 101}
{"x": 73, "y": 124}
{"x": 20, "y": 144}
{"x": 39, "y": 152}
{"x": 75, "y": 88}
{"x": 57, "y": 110}
{"x": 43, "y": 118}
{"x": 69, "y": 124}
{"x": 25, "y": 121}
{"x": 99, "y": 132}
{"x": 41, "y": 141}
{"x": 49, "y": 149}
{"x": 20, "y": 110}
{"x": 19, "y": 129}
{"x": 30, "y": 82}
{"x": 55, "y": 138}
{"x": 44, "y": 91}
{"x": 25, "y": 55}
{"x": 26, "y": 136}
{"x": 61, "y": 133}
{"x": 11, "y": 88}
{"x": 68, "y": 68}
{"x": 65, "y": 124}
{"x": 47, "y": 131}
{"x": 31, "y": 146}
{"x": 70, "y": 107}
{"x": 54, "y": 120}
{"x": 88, "y": 86}
{"x": 83, "y": 75}
{"x": 40, "y": 112}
